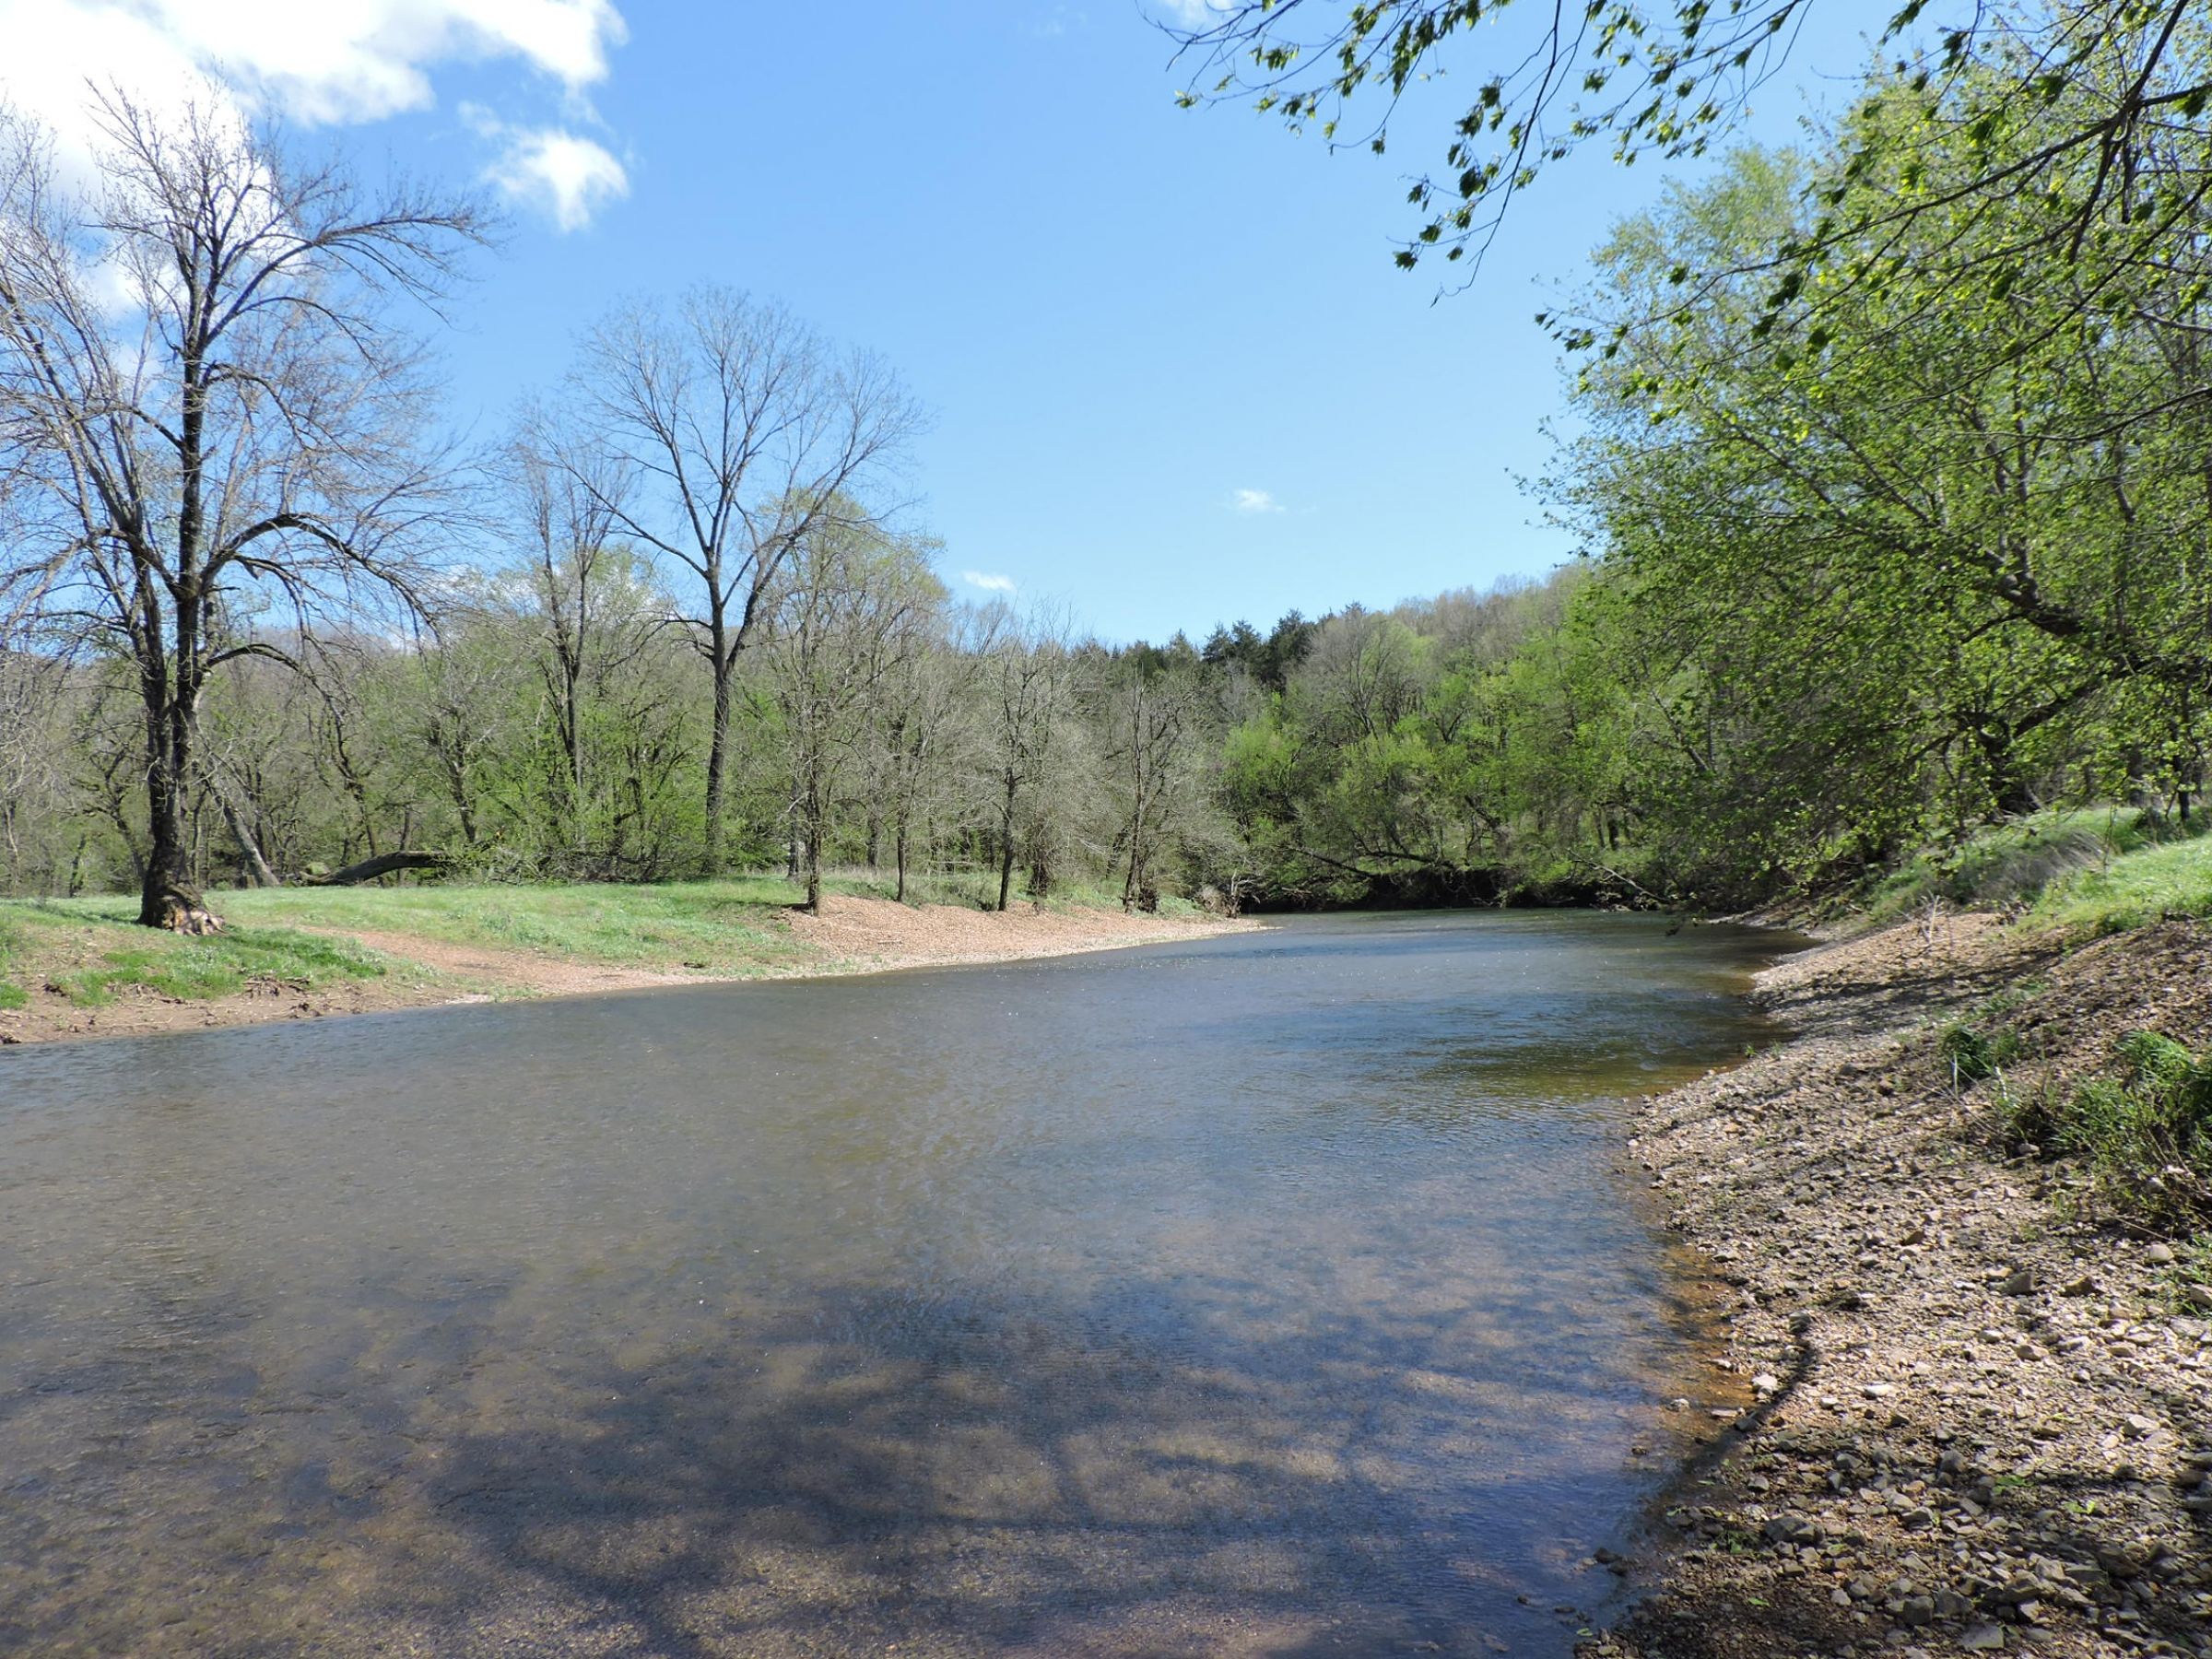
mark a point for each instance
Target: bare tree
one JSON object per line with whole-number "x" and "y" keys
{"x": 202, "y": 415}
{"x": 1024, "y": 690}
{"x": 563, "y": 492}
{"x": 1152, "y": 713}
{"x": 851, "y": 608}
{"x": 31, "y": 688}
{"x": 916, "y": 730}
{"x": 740, "y": 433}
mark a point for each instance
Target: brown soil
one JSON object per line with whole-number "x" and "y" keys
{"x": 851, "y": 935}
{"x": 508, "y": 973}
{"x": 139, "y": 1012}
{"x": 1983, "y": 1415}
{"x": 865, "y": 935}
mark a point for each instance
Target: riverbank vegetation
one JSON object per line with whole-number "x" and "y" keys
{"x": 87, "y": 951}
{"x": 74, "y": 965}
{"x": 1889, "y": 461}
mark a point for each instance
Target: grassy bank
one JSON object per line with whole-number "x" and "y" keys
{"x": 726, "y": 928}
{"x": 73, "y": 967}
{"x": 2086, "y": 871}
{"x": 87, "y": 952}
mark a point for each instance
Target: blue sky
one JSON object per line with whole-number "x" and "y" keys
{"x": 1175, "y": 377}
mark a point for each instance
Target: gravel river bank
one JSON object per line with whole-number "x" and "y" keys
{"x": 1982, "y": 1416}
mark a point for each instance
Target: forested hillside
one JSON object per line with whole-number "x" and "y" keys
{"x": 1893, "y": 464}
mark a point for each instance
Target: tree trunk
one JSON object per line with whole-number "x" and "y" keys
{"x": 166, "y": 898}
{"x": 249, "y": 849}
{"x": 1006, "y": 848}
{"x": 718, "y": 746}
{"x": 817, "y": 822}
{"x": 899, "y": 852}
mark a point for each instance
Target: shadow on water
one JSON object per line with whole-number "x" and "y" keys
{"x": 840, "y": 1473}
{"x": 1338, "y": 1351}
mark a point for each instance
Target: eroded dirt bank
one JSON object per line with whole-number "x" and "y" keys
{"x": 1984, "y": 1417}
{"x": 850, "y": 935}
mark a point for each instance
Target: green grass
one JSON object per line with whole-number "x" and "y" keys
{"x": 721, "y": 927}
{"x": 12, "y": 945}
{"x": 89, "y": 949}
{"x": 1975, "y": 1054}
{"x": 2012, "y": 862}
{"x": 726, "y": 927}
{"x": 2131, "y": 890}
{"x": 2087, "y": 871}
{"x": 2146, "y": 1134}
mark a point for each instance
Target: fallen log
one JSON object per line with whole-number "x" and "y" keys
{"x": 384, "y": 864}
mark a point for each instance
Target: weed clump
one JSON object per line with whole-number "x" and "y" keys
{"x": 1975, "y": 1054}
{"x": 2146, "y": 1134}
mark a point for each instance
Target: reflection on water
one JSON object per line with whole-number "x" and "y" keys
{"x": 1263, "y": 1295}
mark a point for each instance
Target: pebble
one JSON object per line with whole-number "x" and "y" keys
{"x": 1793, "y": 1529}
{"x": 2001, "y": 1351}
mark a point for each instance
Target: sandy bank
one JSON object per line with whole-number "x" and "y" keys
{"x": 1984, "y": 1421}
{"x": 850, "y": 935}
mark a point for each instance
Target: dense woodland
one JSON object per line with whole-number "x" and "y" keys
{"x": 1892, "y": 460}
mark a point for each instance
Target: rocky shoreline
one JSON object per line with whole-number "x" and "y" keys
{"x": 1981, "y": 1415}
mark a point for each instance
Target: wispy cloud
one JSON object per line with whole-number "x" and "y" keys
{"x": 989, "y": 583}
{"x": 331, "y": 62}
{"x": 568, "y": 177}
{"x": 1254, "y": 501}
{"x": 1193, "y": 14}
{"x": 1061, "y": 20}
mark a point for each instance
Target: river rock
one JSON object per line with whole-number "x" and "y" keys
{"x": 1982, "y": 1639}
{"x": 1793, "y": 1529}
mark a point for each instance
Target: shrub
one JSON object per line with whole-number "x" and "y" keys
{"x": 2146, "y": 1134}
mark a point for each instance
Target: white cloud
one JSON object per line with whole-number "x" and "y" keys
{"x": 1196, "y": 14}
{"x": 990, "y": 584}
{"x": 1254, "y": 501}
{"x": 554, "y": 169}
{"x": 318, "y": 63}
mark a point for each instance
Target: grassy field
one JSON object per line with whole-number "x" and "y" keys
{"x": 727, "y": 927}
{"x": 87, "y": 949}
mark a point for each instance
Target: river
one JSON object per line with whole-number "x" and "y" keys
{"x": 1274, "y": 1293}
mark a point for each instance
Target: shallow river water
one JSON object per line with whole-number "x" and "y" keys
{"x": 1267, "y": 1294}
